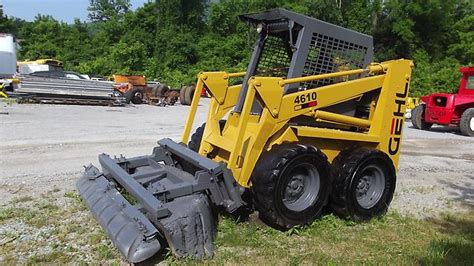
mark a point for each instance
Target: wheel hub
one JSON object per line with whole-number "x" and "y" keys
{"x": 363, "y": 186}
{"x": 295, "y": 188}
{"x": 302, "y": 188}
{"x": 471, "y": 124}
{"x": 370, "y": 186}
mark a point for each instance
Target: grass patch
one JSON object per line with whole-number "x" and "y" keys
{"x": 393, "y": 239}
{"x": 55, "y": 257}
{"x": 21, "y": 199}
{"x": 72, "y": 236}
{"x": 58, "y": 231}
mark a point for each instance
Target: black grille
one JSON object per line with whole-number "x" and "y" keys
{"x": 328, "y": 54}
{"x": 275, "y": 59}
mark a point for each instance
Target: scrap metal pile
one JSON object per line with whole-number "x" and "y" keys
{"x": 65, "y": 87}
{"x": 65, "y": 90}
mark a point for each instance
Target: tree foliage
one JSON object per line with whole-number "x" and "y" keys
{"x": 173, "y": 40}
{"x": 103, "y": 10}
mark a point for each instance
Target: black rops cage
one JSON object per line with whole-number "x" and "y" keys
{"x": 292, "y": 45}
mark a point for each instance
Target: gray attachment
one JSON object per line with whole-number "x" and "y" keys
{"x": 174, "y": 201}
{"x": 191, "y": 156}
{"x": 190, "y": 230}
{"x": 153, "y": 206}
{"x": 214, "y": 177}
{"x": 131, "y": 232}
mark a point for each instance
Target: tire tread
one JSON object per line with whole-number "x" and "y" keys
{"x": 266, "y": 174}
{"x": 343, "y": 167}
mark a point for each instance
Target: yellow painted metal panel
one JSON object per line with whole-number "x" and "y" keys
{"x": 326, "y": 133}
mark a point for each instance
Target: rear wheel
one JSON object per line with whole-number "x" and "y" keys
{"x": 137, "y": 96}
{"x": 417, "y": 120}
{"x": 364, "y": 183}
{"x": 290, "y": 185}
{"x": 467, "y": 122}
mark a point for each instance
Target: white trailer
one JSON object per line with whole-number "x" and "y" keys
{"x": 7, "y": 55}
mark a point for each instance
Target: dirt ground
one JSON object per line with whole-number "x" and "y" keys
{"x": 45, "y": 146}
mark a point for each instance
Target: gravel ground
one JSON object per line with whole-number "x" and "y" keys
{"x": 45, "y": 147}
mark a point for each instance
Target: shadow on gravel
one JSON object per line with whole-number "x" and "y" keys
{"x": 456, "y": 246}
{"x": 462, "y": 193}
{"x": 442, "y": 129}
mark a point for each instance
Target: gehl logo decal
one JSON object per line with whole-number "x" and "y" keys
{"x": 397, "y": 123}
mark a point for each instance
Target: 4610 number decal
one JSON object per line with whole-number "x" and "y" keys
{"x": 306, "y": 100}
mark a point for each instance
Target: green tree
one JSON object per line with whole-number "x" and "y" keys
{"x": 434, "y": 75}
{"x": 75, "y": 44}
{"x": 41, "y": 39}
{"x": 10, "y": 25}
{"x": 189, "y": 13}
{"x": 463, "y": 48}
{"x": 407, "y": 26}
{"x": 103, "y": 10}
{"x": 175, "y": 39}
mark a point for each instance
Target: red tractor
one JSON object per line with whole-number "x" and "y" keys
{"x": 455, "y": 110}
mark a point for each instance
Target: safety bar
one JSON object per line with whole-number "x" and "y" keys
{"x": 236, "y": 75}
{"x": 375, "y": 68}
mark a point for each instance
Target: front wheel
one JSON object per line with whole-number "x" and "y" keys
{"x": 136, "y": 96}
{"x": 467, "y": 122}
{"x": 290, "y": 185}
{"x": 417, "y": 120}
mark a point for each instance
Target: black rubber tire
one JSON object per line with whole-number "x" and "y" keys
{"x": 182, "y": 92}
{"x": 188, "y": 96}
{"x": 348, "y": 168}
{"x": 195, "y": 142}
{"x": 417, "y": 118}
{"x": 273, "y": 174}
{"x": 466, "y": 123}
{"x": 136, "y": 96}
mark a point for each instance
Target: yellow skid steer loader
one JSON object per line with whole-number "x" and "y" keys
{"x": 313, "y": 124}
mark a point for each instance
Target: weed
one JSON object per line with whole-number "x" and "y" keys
{"x": 7, "y": 213}
{"x": 392, "y": 239}
{"x": 71, "y": 195}
{"x": 55, "y": 256}
{"x": 21, "y": 199}
{"x": 295, "y": 230}
{"x": 105, "y": 251}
